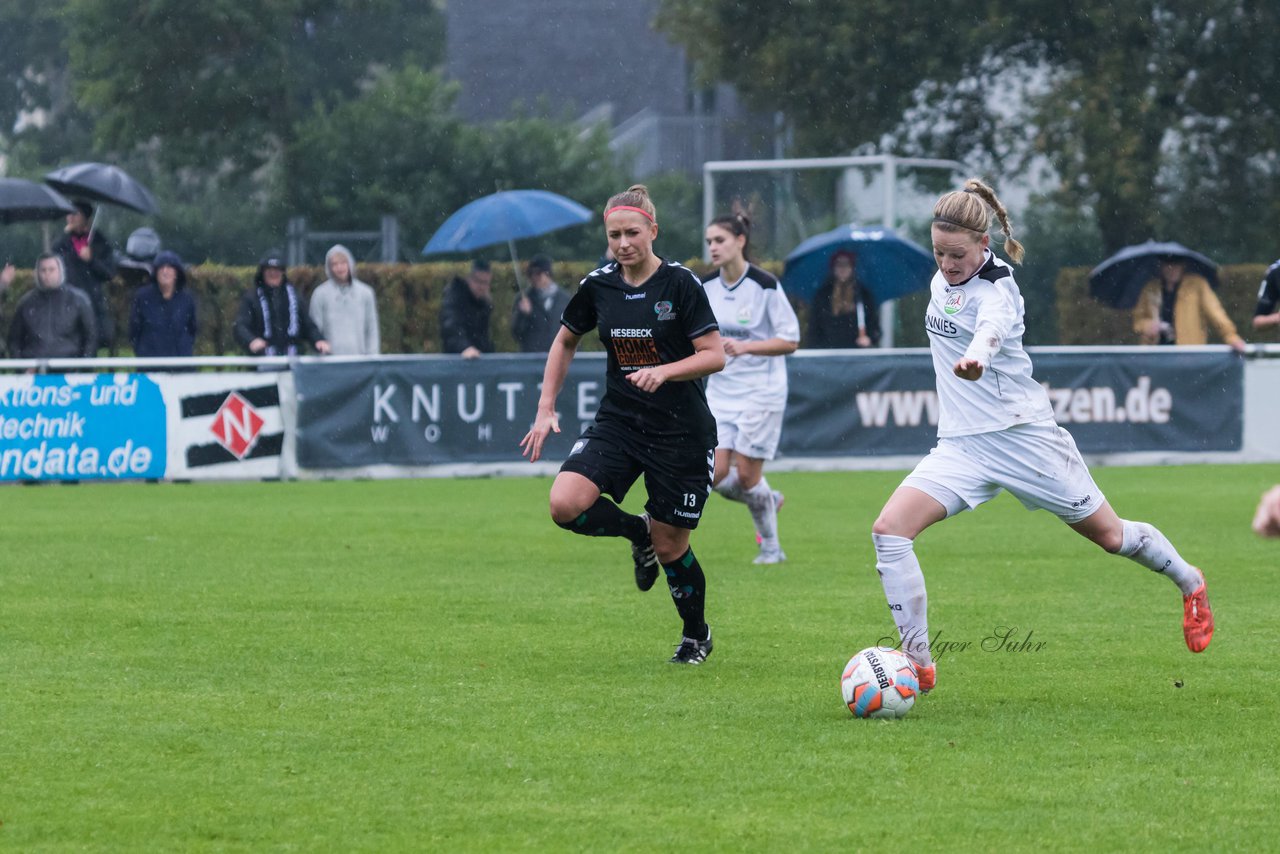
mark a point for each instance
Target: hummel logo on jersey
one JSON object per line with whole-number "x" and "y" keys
{"x": 640, "y": 295}
{"x": 664, "y": 310}
{"x": 954, "y": 302}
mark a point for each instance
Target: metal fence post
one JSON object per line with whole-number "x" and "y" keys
{"x": 390, "y": 239}
{"x": 296, "y": 251}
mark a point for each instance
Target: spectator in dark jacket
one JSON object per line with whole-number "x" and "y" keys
{"x": 163, "y": 319}
{"x": 465, "y": 311}
{"x": 842, "y": 314}
{"x": 52, "y": 320}
{"x": 273, "y": 319}
{"x": 7, "y": 272}
{"x": 535, "y": 315}
{"x": 90, "y": 263}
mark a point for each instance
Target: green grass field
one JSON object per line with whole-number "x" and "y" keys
{"x": 433, "y": 665}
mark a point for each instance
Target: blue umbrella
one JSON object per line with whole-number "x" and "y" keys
{"x": 505, "y": 217}
{"x": 1118, "y": 281}
{"x": 888, "y": 266}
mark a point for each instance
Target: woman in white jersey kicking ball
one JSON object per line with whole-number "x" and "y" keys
{"x": 996, "y": 431}
{"x": 758, "y": 327}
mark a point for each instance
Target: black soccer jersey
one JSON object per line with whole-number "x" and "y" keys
{"x": 642, "y": 327}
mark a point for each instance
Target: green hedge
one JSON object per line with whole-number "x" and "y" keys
{"x": 408, "y": 301}
{"x": 1082, "y": 320}
{"x": 409, "y": 304}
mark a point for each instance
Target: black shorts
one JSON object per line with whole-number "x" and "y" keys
{"x": 677, "y": 477}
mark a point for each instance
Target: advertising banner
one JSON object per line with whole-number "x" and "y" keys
{"x": 438, "y": 411}
{"x": 223, "y": 426}
{"x": 434, "y": 411}
{"x": 81, "y": 427}
{"x": 1112, "y": 403}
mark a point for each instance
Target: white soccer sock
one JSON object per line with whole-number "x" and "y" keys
{"x": 903, "y": 584}
{"x": 731, "y": 487}
{"x": 764, "y": 513}
{"x": 1144, "y": 544}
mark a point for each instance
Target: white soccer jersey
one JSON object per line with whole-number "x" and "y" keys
{"x": 754, "y": 308}
{"x": 982, "y": 319}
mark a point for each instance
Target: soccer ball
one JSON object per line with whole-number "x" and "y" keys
{"x": 879, "y": 683}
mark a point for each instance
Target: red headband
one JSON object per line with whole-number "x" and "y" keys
{"x": 647, "y": 215}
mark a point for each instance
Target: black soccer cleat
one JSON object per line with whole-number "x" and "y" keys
{"x": 646, "y": 560}
{"x": 692, "y": 651}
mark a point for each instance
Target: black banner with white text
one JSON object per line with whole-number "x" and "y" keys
{"x": 439, "y": 411}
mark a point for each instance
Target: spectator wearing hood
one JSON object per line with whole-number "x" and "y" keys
{"x": 272, "y": 319}
{"x": 89, "y": 262}
{"x": 163, "y": 319}
{"x": 137, "y": 263}
{"x": 52, "y": 320}
{"x": 344, "y": 308}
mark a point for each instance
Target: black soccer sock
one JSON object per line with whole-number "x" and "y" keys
{"x": 606, "y": 519}
{"x": 688, "y": 590}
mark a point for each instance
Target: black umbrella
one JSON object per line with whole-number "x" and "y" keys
{"x": 102, "y": 182}
{"x": 1118, "y": 281}
{"x": 23, "y": 201}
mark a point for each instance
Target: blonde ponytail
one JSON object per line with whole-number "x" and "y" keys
{"x": 972, "y": 209}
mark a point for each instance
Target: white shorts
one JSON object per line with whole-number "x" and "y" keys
{"x": 1038, "y": 463}
{"x": 753, "y": 434}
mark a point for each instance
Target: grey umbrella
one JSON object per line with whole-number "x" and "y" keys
{"x": 102, "y": 182}
{"x": 1118, "y": 281}
{"x": 23, "y": 201}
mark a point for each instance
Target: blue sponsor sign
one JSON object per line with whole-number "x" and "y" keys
{"x": 81, "y": 427}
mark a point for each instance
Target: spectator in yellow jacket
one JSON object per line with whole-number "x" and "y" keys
{"x": 1178, "y": 307}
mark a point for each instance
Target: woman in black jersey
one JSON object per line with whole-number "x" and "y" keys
{"x": 662, "y": 339}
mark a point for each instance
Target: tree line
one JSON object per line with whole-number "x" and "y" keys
{"x": 238, "y": 115}
{"x": 1147, "y": 118}
{"x": 1151, "y": 118}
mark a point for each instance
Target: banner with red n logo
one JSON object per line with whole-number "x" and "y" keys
{"x": 225, "y": 426}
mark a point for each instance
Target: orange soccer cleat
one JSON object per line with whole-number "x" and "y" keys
{"x": 1197, "y": 618}
{"x": 927, "y": 674}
